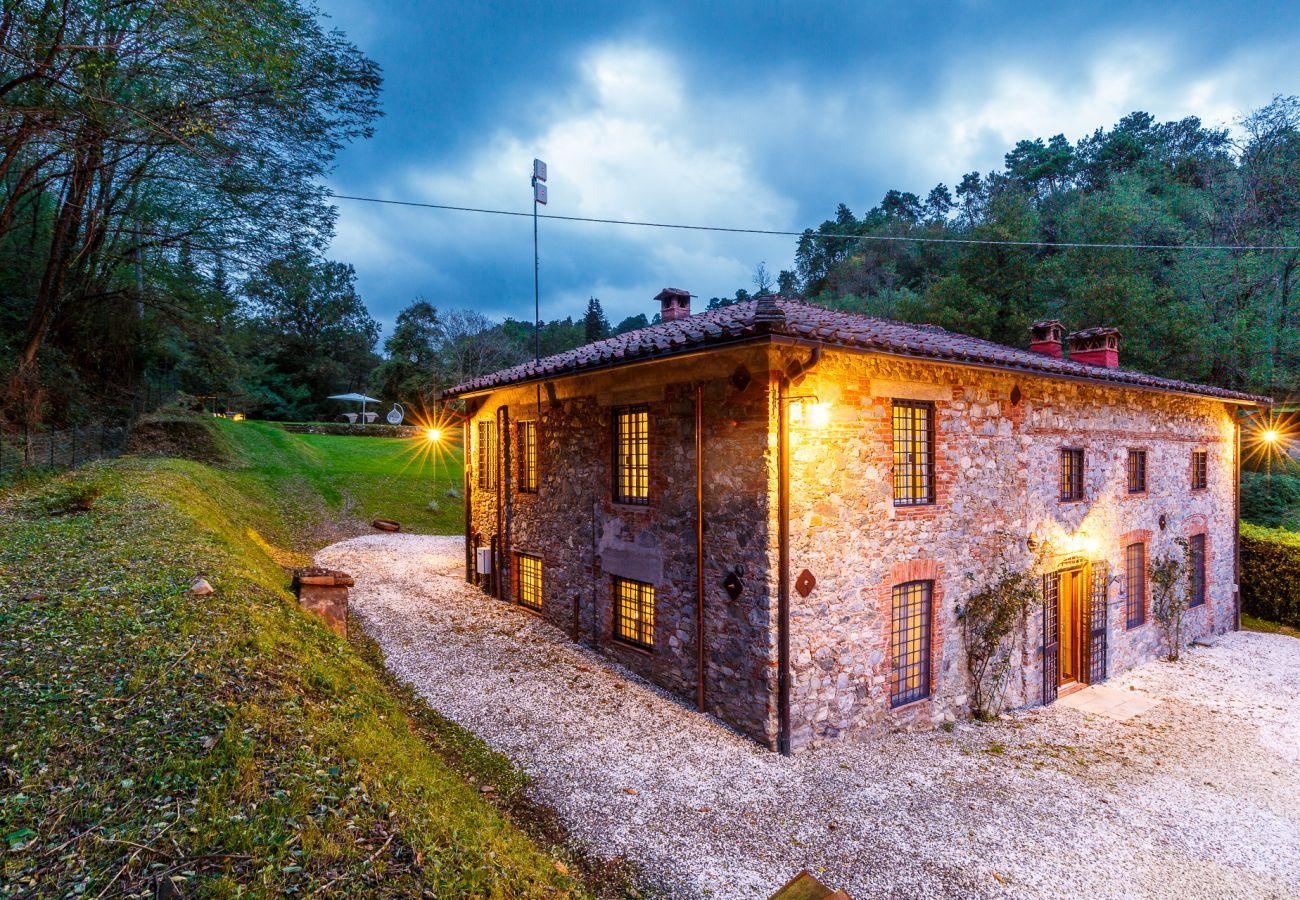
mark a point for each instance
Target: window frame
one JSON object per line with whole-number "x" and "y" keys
{"x": 913, "y": 483}
{"x": 1135, "y": 583}
{"x": 1198, "y": 570}
{"x": 1071, "y": 486}
{"x": 527, "y": 579}
{"x": 642, "y": 595}
{"x": 1135, "y": 470}
{"x": 1200, "y": 470}
{"x": 918, "y": 658}
{"x": 528, "y": 468}
{"x": 644, "y": 469}
{"x": 485, "y": 458}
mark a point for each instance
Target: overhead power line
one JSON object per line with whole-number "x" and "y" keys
{"x": 882, "y": 238}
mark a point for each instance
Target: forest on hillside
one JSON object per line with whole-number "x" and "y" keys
{"x": 163, "y": 216}
{"x": 1224, "y": 317}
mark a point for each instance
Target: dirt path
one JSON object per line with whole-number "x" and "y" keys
{"x": 1198, "y": 797}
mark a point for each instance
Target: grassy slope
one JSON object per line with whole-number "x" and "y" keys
{"x": 1250, "y": 623}
{"x": 359, "y": 476}
{"x": 231, "y": 742}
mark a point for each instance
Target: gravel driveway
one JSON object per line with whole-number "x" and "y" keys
{"x": 1198, "y": 797}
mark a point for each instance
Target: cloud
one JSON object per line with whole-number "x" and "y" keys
{"x": 633, "y": 130}
{"x": 622, "y": 142}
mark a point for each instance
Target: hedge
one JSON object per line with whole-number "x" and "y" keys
{"x": 1270, "y": 574}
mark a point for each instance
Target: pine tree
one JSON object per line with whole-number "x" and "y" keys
{"x": 594, "y": 324}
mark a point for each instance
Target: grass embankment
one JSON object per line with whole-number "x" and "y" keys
{"x": 355, "y": 477}
{"x": 230, "y": 746}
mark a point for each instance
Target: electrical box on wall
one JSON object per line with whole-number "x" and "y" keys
{"x": 483, "y": 560}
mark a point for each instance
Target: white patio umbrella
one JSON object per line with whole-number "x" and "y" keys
{"x": 355, "y": 398}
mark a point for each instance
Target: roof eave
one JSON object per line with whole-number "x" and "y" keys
{"x": 1241, "y": 399}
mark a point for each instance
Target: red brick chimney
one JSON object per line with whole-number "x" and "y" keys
{"x": 1095, "y": 346}
{"x": 1045, "y": 337}
{"x": 674, "y": 304}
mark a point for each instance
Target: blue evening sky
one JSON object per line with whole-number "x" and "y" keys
{"x": 762, "y": 115}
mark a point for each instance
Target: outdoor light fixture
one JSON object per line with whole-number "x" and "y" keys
{"x": 819, "y": 415}
{"x": 1032, "y": 542}
{"x": 433, "y": 435}
{"x": 808, "y": 407}
{"x": 1080, "y": 542}
{"x": 1271, "y": 436}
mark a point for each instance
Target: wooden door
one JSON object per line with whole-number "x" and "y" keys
{"x": 1071, "y": 598}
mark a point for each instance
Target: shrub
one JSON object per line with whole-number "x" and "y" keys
{"x": 1271, "y": 501}
{"x": 1270, "y": 574}
{"x": 991, "y": 618}
{"x": 69, "y": 496}
{"x": 1169, "y": 595}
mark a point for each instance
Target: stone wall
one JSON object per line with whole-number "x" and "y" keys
{"x": 998, "y": 442}
{"x": 584, "y": 538}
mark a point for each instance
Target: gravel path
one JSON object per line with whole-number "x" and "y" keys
{"x": 1200, "y": 797}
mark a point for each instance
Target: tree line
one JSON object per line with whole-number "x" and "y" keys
{"x": 149, "y": 151}
{"x": 1228, "y": 318}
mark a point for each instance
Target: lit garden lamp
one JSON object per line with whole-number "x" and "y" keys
{"x": 1271, "y": 438}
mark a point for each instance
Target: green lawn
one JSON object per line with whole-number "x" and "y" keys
{"x": 230, "y": 745}
{"x": 358, "y": 477}
{"x": 1250, "y": 623}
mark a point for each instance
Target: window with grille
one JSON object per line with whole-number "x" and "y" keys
{"x": 1135, "y": 557}
{"x": 910, "y": 641}
{"x": 634, "y": 612}
{"x": 487, "y": 456}
{"x": 528, "y": 457}
{"x": 1072, "y": 474}
{"x": 632, "y": 455}
{"x": 1137, "y": 471}
{"x": 1196, "y": 563}
{"x": 1200, "y": 470}
{"x": 528, "y": 581}
{"x": 913, "y": 452}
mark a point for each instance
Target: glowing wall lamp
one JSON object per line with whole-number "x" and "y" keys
{"x": 433, "y": 435}
{"x": 819, "y": 415}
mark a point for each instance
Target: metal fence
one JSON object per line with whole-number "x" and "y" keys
{"x": 68, "y": 447}
{"x": 61, "y": 449}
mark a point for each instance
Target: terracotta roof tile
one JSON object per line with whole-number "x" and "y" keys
{"x": 803, "y": 320}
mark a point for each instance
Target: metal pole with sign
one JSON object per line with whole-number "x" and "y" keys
{"x": 539, "y": 196}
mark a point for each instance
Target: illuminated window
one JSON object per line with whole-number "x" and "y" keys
{"x": 634, "y": 612}
{"x": 1072, "y": 474}
{"x": 913, "y": 452}
{"x": 632, "y": 455}
{"x": 910, "y": 641}
{"x": 487, "y": 456}
{"x": 1137, "y": 471}
{"x": 1135, "y": 558}
{"x": 528, "y": 457}
{"x": 1196, "y": 562}
{"x": 528, "y": 581}
{"x": 1200, "y": 469}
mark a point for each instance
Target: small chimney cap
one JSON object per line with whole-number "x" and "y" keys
{"x": 1100, "y": 331}
{"x": 673, "y": 294}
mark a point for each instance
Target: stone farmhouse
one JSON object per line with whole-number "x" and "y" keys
{"x": 774, "y": 510}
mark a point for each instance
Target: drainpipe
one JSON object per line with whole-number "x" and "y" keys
{"x": 793, "y": 374}
{"x": 469, "y": 519}
{"x": 782, "y": 571}
{"x": 503, "y": 494}
{"x": 699, "y": 546}
{"x": 1236, "y": 523}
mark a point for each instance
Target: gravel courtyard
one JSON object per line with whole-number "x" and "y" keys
{"x": 1198, "y": 797}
